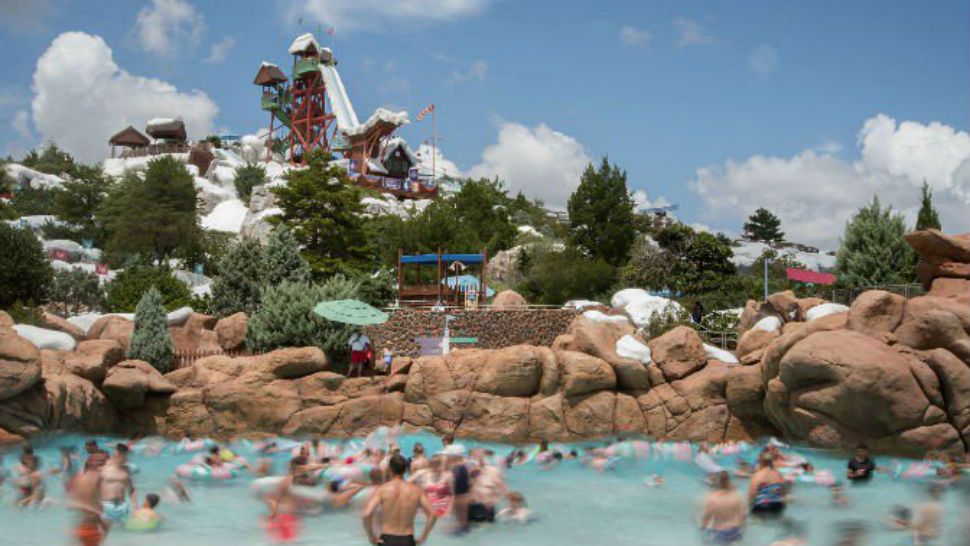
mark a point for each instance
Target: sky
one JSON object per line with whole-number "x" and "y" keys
{"x": 807, "y": 108}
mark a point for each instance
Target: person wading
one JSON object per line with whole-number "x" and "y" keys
{"x": 399, "y": 501}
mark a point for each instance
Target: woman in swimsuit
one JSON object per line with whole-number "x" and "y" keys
{"x": 433, "y": 480}
{"x": 766, "y": 494}
{"x": 30, "y": 483}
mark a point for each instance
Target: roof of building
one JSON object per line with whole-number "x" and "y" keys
{"x": 306, "y": 44}
{"x": 166, "y": 128}
{"x": 269, "y": 74}
{"x": 129, "y": 136}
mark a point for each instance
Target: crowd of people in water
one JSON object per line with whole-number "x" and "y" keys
{"x": 465, "y": 487}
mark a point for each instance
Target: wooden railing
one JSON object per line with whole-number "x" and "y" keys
{"x": 184, "y": 359}
{"x": 156, "y": 149}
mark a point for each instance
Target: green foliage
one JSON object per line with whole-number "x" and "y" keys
{"x": 248, "y": 176}
{"x": 73, "y": 289}
{"x": 155, "y": 216}
{"x": 323, "y": 209}
{"x": 928, "y": 217}
{"x": 764, "y": 226}
{"x": 282, "y": 259}
{"x": 666, "y": 320}
{"x": 27, "y": 314}
{"x": 25, "y": 274}
{"x": 555, "y": 277}
{"x": 127, "y": 288}
{"x": 79, "y": 199}
{"x": 151, "y": 341}
{"x": 286, "y": 318}
{"x": 601, "y": 214}
{"x": 214, "y": 140}
{"x": 873, "y": 251}
{"x": 51, "y": 160}
{"x": 240, "y": 280}
{"x": 700, "y": 261}
{"x": 29, "y": 201}
{"x": 649, "y": 266}
{"x": 378, "y": 289}
{"x": 208, "y": 250}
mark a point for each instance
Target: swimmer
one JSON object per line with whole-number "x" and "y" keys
{"x": 68, "y": 468}
{"x": 418, "y": 460}
{"x": 400, "y": 502}
{"x": 766, "y": 493}
{"x": 654, "y": 480}
{"x": 214, "y": 458}
{"x": 744, "y": 469}
{"x": 117, "y": 489}
{"x": 517, "y": 509}
{"x": 488, "y": 488}
{"x": 436, "y": 484}
{"x": 85, "y": 492}
{"x": 861, "y": 466}
{"x": 928, "y": 517}
{"x": 30, "y": 482}
{"x": 178, "y": 490}
{"x": 145, "y": 518}
{"x": 724, "y": 512}
{"x": 901, "y": 518}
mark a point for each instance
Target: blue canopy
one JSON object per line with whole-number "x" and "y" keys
{"x": 445, "y": 258}
{"x": 468, "y": 282}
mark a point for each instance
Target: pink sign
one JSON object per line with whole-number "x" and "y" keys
{"x": 814, "y": 277}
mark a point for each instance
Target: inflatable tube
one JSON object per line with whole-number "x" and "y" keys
{"x": 141, "y": 525}
{"x": 265, "y": 486}
{"x": 205, "y": 473}
{"x": 825, "y": 478}
{"x": 191, "y": 446}
{"x": 918, "y": 470}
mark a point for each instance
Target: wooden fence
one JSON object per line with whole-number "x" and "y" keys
{"x": 184, "y": 359}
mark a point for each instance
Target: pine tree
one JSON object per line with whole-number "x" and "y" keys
{"x": 927, "y": 218}
{"x": 25, "y": 273}
{"x": 323, "y": 209}
{"x": 247, "y": 177}
{"x": 80, "y": 197}
{"x": 601, "y": 214}
{"x": 151, "y": 341}
{"x": 74, "y": 288}
{"x": 873, "y": 251}
{"x": 237, "y": 288}
{"x": 764, "y": 226}
{"x": 282, "y": 259}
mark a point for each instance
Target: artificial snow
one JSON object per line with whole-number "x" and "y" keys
{"x": 577, "y": 304}
{"x": 63, "y": 244}
{"x": 388, "y": 205}
{"x": 25, "y": 176}
{"x": 720, "y": 354}
{"x": 302, "y": 42}
{"x": 746, "y": 252}
{"x": 268, "y": 64}
{"x": 599, "y": 316}
{"x": 118, "y": 166}
{"x": 529, "y": 230}
{"x": 641, "y": 306}
{"x": 35, "y": 221}
{"x": 631, "y": 347}
{"x": 824, "y": 309}
{"x": 226, "y": 216}
{"x": 43, "y": 338}
{"x": 768, "y": 324}
{"x": 340, "y": 103}
{"x": 86, "y": 320}
{"x": 381, "y": 115}
{"x": 159, "y": 121}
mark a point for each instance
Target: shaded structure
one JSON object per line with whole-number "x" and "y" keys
{"x": 419, "y": 287}
{"x": 129, "y": 138}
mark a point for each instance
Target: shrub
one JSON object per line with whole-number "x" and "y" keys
{"x": 556, "y": 277}
{"x": 125, "y": 291}
{"x": 76, "y": 288}
{"x": 282, "y": 258}
{"x": 666, "y": 320}
{"x": 25, "y": 274}
{"x": 237, "y": 288}
{"x": 151, "y": 341}
{"x": 248, "y": 176}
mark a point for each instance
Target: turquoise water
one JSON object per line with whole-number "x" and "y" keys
{"x": 572, "y": 505}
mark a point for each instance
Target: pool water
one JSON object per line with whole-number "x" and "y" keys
{"x": 572, "y": 505}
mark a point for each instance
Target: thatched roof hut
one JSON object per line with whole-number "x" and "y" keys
{"x": 129, "y": 137}
{"x": 269, "y": 74}
{"x": 165, "y": 128}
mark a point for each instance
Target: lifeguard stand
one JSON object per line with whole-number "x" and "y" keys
{"x": 413, "y": 290}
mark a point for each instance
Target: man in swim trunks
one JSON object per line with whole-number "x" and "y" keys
{"x": 724, "y": 511}
{"x": 399, "y": 501}
{"x": 767, "y": 491}
{"x": 488, "y": 489}
{"x": 461, "y": 483}
{"x": 86, "y": 501}
{"x": 117, "y": 489}
{"x": 861, "y": 466}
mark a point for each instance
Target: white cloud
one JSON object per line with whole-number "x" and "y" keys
{"x": 691, "y": 32}
{"x": 538, "y": 161}
{"x": 633, "y": 36}
{"x": 167, "y": 26}
{"x": 830, "y": 147}
{"x": 81, "y": 97}
{"x": 441, "y": 165}
{"x": 21, "y": 126}
{"x": 763, "y": 60}
{"x": 220, "y": 50}
{"x": 814, "y": 195}
{"x": 476, "y": 72}
{"x": 379, "y": 14}
{"x": 643, "y": 201}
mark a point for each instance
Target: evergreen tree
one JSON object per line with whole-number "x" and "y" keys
{"x": 764, "y": 226}
{"x": 25, "y": 274}
{"x": 128, "y": 287}
{"x": 155, "y": 216}
{"x": 51, "y": 160}
{"x": 248, "y": 176}
{"x": 873, "y": 251}
{"x": 927, "y": 218}
{"x": 601, "y": 214}
{"x": 282, "y": 260}
{"x": 151, "y": 341}
{"x": 76, "y": 288}
{"x": 79, "y": 199}
{"x": 322, "y": 208}
{"x": 237, "y": 288}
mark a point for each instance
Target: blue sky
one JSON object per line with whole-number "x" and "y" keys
{"x": 688, "y": 85}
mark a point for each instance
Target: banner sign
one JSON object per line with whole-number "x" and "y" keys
{"x": 59, "y": 254}
{"x": 814, "y": 277}
{"x": 101, "y": 269}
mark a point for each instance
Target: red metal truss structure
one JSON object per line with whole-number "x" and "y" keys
{"x": 310, "y": 121}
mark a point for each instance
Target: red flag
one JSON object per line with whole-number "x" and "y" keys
{"x": 814, "y": 277}
{"x": 427, "y": 110}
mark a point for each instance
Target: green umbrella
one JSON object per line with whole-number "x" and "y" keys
{"x": 350, "y": 312}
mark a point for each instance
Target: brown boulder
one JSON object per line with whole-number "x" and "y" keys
{"x": 628, "y": 417}
{"x": 190, "y": 339}
{"x": 876, "y": 313}
{"x": 128, "y": 383}
{"x": 549, "y": 384}
{"x": 804, "y": 304}
{"x": 417, "y": 415}
{"x": 396, "y": 383}
{"x": 936, "y": 247}
{"x": 401, "y": 365}
{"x": 93, "y": 358}
{"x": 599, "y": 339}
{"x": 508, "y": 299}
{"x": 755, "y": 339}
{"x": 358, "y": 417}
{"x": 55, "y": 322}
{"x": 429, "y": 376}
{"x": 291, "y": 362}
{"x": 187, "y": 415}
{"x": 8, "y": 438}
{"x": 954, "y": 377}
{"x": 935, "y": 329}
{"x": 511, "y": 371}
{"x": 312, "y": 421}
{"x": 240, "y": 405}
{"x": 321, "y": 389}
{"x": 921, "y": 304}
{"x": 790, "y": 336}
{"x": 750, "y": 315}
{"x": 950, "y": 288}
{"x": 6, "y": 321}
{"x": 745, "y": 392}
{"x": 495, "y": 418}
{"x": 20, "y": 366}
{"x": 926, "y": 271}
{"x": 356, "y": 387}
{"x": 231, "y": 331}
{"x": 547, "y": 419}
{"x": 465, "y": 365}
{"x": 76, "y": 404}
{"x": 785, "y": 304}
{"x": 113, "y": 327}
{"x": 678, "y": 353}
{"x": 584, "y": 374}
{"x": 591, "y": 415}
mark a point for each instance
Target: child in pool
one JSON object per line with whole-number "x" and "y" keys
{"x": 517, "y": 510}
{"x": 145, "y": 518}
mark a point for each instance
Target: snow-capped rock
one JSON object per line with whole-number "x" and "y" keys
{"x": 25, "y": 176}
{"x": 768, "y": 324}
{"x": 578, "y": 304}
{"x": 226, "y": 216}
{"x": 599, "y": 316}
{"x": 720, "y": 354}
{"x": 42, "y": 338}
{"x": 824, "y": 309}
{"x": 642, "y": 306}
{"x": 210, "y": 195}
{"x": 118, "y": 166}
{"x": 529, "y": 230}
{"x": 630, "y": 347}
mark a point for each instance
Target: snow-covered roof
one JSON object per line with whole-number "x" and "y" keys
{"x": 381, "y": 115}
{"x": 302, "y": 43}
{"x": 268, "y": 64}
{"x": 375, "y": 167}
{"x": 160, "y": 121}
{"x": 398, "y": 142}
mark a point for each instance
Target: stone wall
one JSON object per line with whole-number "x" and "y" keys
{"x": 493, "y": 329}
